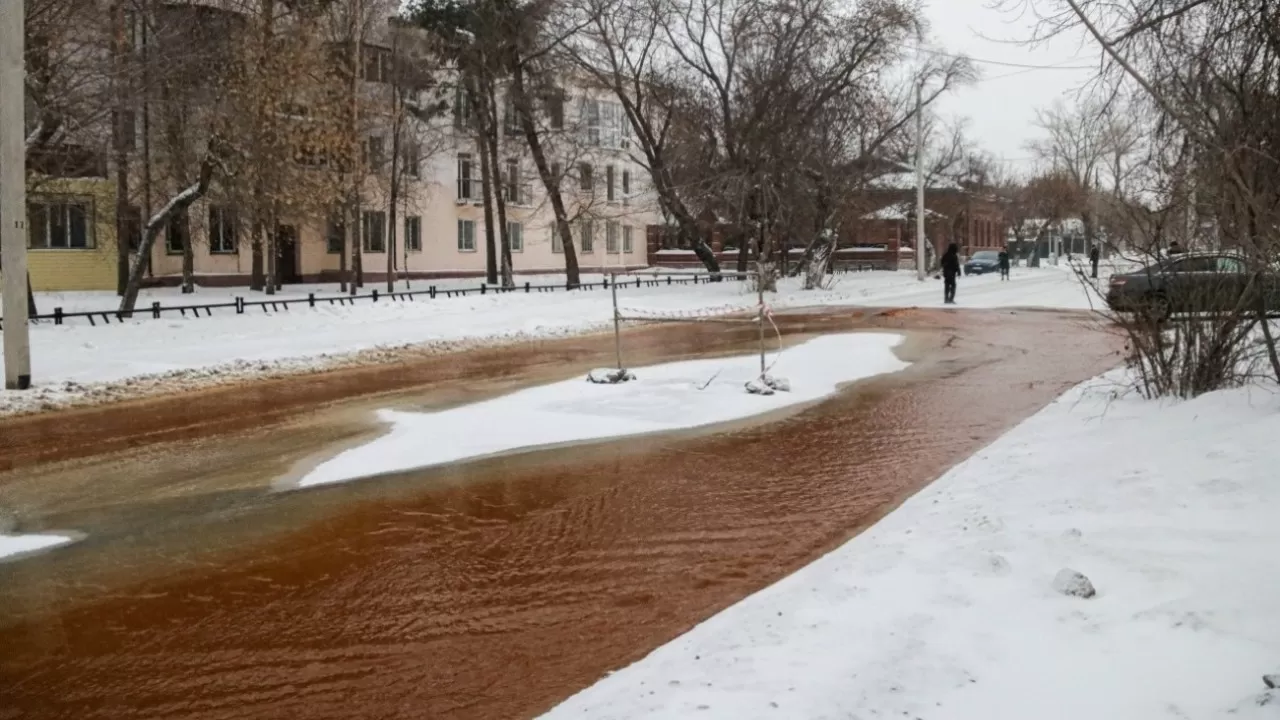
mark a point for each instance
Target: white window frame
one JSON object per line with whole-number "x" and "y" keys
{"x": 367, "y": 218}
{"x": 64, "y": 203}
{"x": 466, "y": 180}
{"x": 466, "y": 236}
{"x": 612, "y": 238}
{"x": 628, "y": 244}
{"x": 557, "y": 246}
{"x": 587, "y": 237}
{"x": 515, "y": 236}
{"x": 217, "y": 245}
{"x": 413, "y": 233}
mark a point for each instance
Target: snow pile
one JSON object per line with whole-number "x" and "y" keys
{"x": 946, "y": 608}
{"x": 666, "y": 397}
{"x": 12, "y": 546}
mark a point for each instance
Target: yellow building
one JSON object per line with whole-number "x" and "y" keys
{"x": 71, "y": 234}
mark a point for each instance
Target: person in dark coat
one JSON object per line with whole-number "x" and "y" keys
{"x": 1094, "y": 254}
{"x": 1004, "y": 263}
{"x": 950, "y": 270}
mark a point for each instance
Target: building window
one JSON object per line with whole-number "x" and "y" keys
{"x": 515, "y": 236}
{"x": 60, "y": 224}
{"x": 584, "y": 176}
{"x": 377, "y": 64}
{"x": 557, "y": 245}
{"x": 335, "y": 240}
{"x": 412, "y": 159}
{"x": 413, "y": 233}
{"x": 466, "y": 236}
{"x": 467, "y": 188}
{"x": 176, "y": 233}
{"x": 588, "y": 239}
{"x": 609, "y": 174}
{"x": 374, "y": 155}
{"x": 462, "y": 116}
{"x": 511, "y": 182}
{"x": 510, "y": 117}
{"x": 605, "y": 124}
{"x": 373, "y": 231}
{"x": 132, "y": 226}
{"x": 222, "y": 230}
{"x": 626, "y": 239}
{"x": 626, "y": 184}
{"x": 591, "y": 121}
{"x": 611, "y": 233}
{"x": 555, "y": 109}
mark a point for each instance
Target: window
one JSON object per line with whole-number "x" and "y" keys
{"x": 584, "y": 176}
{"x": 462, "y": 116}
{"x": 605, "y": 124}
{"x": 466, "y": 236}
{"x": 377, "y": 64}
{"x": 335, "y": 240}
{"x": 609, "y": 174}
{"x": 611, "y": 234}
{"x": 374, "y": 155}
{"x": 510, "y": 118}
{"x": 132, "y": 227}
{"x": 1230, "y": 265}
{"x": 373, "y": 231}
{"x": 515, "y": 236}
{"x": 412, "y": 159}
{"x": 413, "y": 233}
{"x": 591, "y": 121}
{"x": 511, "y": 182}
{"x": 588, "y": 239}
{"x": 60, "y": 223}
{"x": 1196, "y": 264}
{"x": 176, "y": 233}
{"x": 626, "y": 239}
{"x": 557, "y": 245}
{"x": 128, "y": 127}
{"x": 222, "y": 230}
{"x": 467, "y": 188}
{"x": 555, "y": 109}
{"x": 626, "y": 184}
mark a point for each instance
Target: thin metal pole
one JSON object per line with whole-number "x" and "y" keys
{"x": 760, "y": 311}
{"x": 617, "y": 323}
{"x": 920, "y": 260}
{"x": 13, "y": 198}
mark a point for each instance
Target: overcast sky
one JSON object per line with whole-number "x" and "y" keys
{"x": 1001, "y": 106}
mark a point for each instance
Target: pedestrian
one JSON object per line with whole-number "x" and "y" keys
{"x": 1004, "y": 263}
{"x": 950, "y": 270}
{"x": 1093, "y": 262}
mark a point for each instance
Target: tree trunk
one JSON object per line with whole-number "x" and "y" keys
{"x": 179, "y": 203}
{"x": 120, "y": 143}
{"x": 550, "y": 182}
{"x": 188, "y": 257}
{"x": 257, "y": 276}
{"x": 497, "y": 129}
{"x": 342, "y": 260}
{"x": 486, "y": 185}
{"x": 395, "y": 193}
{"x": 269, "y": 242}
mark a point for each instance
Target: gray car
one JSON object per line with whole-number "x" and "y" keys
{"x": 1199, "y": 283}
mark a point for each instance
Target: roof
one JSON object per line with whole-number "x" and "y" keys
{"x": 906, "y": 180}
{"x": 899, "y": 211}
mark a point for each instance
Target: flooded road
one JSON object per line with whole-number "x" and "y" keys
{"x": 490, "y": 589}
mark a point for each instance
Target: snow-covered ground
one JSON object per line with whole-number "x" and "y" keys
{"x": 946, "y": 608}
{"x": 12, "y": 546}
{"x": 76, "y": 362}
{"x": 669, "y": 396}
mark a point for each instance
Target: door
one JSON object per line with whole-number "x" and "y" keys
{"x": 287, "y": 271}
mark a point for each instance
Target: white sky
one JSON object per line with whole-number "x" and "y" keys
{"x": 1001, "y": 106}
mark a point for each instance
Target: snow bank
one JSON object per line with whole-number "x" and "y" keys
{"x": 664, "y": 397}
{"x": 79, "y": 364}
{"x": 946, "y": 608}
{"x": 12, "y": 545}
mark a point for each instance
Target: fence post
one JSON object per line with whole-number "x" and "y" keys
{"x": 239, "y": 305}
{"x": 527, "y": 285}
{"x": 668, "y": 280}
{"x": 433, "y": 292}
{"x": 483, "y": 287}
{"x": 375, "y": 295}
{"x": 311, "y": 299}
{"x": 57, "y": 316}
{"x": 155, "y": 309}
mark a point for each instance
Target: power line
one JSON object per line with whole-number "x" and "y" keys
{"x": 1002, "y": 63}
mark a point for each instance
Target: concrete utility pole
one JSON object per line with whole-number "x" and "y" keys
{"x": 13, "y": 197}
{"x": 920, "y": 259}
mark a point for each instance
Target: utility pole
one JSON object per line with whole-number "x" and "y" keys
{"x": 920, "y": 260}
{"x": 13, "y": 197}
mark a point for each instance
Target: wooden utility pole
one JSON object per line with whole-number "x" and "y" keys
{"x": 120, "y": 142}
{"x": 13, "y": 198}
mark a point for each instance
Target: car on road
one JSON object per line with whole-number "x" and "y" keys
{"x": 982, "y": 262}
{"x": 1193, "y": 283}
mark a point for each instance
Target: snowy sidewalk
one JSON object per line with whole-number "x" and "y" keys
{"x": 945, "y": 609}
{"x": 70, "y": 360}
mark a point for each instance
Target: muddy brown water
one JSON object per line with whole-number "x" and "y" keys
{"x": 490, "y": 589}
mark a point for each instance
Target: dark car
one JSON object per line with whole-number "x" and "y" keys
{"x": 1200, "y": 283}
{"x": 982, "y": 262}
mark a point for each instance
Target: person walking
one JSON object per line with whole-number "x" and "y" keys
{"x": 1004, "y": 263}
{"x": 1093, "y": 262}
{"x": 950, "y": 270}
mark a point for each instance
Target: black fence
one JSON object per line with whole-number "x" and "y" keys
{"x": 269, "y": 304}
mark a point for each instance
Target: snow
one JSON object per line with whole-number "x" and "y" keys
{"x": 75, "y": 363}
{"x": 672, "y": 396}
{"x": 946, "y": 608}
{"x": 14, "y": 545}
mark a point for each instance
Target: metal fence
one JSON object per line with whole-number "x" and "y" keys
{"x": 269, "y": 304}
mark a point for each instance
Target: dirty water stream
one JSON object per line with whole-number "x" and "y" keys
{"x": 489, "y": 589}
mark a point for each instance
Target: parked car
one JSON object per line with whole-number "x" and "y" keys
{"x": 1192, "y": 283}
{"x": 982, "y": 262}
